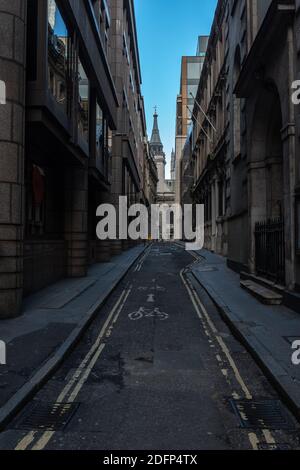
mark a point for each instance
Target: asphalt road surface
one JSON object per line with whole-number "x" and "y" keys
{"x": 157, "y": 370}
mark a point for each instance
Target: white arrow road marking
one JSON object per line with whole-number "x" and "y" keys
{"x": 151, "y": 298}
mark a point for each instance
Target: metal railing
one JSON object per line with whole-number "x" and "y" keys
{"x": 270, "y": 250}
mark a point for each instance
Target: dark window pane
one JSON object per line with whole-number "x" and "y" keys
{"x": 83, "y": 102}
{"x": 194, "y": 70}
{"x": 99, "y": 131}
{"x": 58, "y": 37}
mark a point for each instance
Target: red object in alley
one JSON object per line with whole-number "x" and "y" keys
{"x": 38, "y": 185}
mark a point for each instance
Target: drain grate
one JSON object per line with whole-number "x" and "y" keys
{"x": 276, "y": 446}
{"x": 47, "y": 416}
{"x": 263, "y": 414}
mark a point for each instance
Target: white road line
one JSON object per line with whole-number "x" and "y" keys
{"x": 80, "y": 376}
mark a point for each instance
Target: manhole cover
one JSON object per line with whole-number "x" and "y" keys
{"x": 263, "y": 414}
{"x": 48, "y": 416}
{"x": 262, "y": 446}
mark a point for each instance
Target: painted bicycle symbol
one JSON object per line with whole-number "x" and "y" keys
{"x": 147, "y": 313}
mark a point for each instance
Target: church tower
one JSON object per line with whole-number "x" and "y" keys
{"x": 157, "y": 150}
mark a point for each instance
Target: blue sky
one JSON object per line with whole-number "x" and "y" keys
{"x": 167, "y": 30}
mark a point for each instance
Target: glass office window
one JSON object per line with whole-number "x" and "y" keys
{"x": 192, "y": 89}
{"x": 194, "y": 70}
{"x": 58, "y": 37}
{"x": 109, "y": 140}
{"x": 83, "y": 102}
{"x": 99, "y": 131}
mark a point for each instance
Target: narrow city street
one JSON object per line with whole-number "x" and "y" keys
{"x": 157, "y": 369}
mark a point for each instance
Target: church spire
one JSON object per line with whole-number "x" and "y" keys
{"x": 173, "y": 165}
{"x": 155, "y": 142}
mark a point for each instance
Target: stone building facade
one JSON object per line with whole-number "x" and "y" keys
{"x": 207, "y": 141}
{"x": 244, "y": 145}
{"x": 191, "y": 67}
{"x": 72, "y": 136}
{"x": 128, "y": 152}
{"x": 264, "y": 84}
{"x": 165, "y": 195}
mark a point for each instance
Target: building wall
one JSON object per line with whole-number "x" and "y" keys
{"x": 79, "y": 145}
{"x": 245, "y": 90}
{"x": 272, "y": 128}
{"x": 129, "y": 139}
{"x": 191, "y": 67}
{"x": 209, "y": 138}
{"x": 237, "y": 184}
{"x": 13, "y": 18}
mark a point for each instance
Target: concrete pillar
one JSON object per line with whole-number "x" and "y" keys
{"x": 116, "y": 247}
{"x": 116, "y": 188}
{"x": 102, "y": 251}
{"x": 289, "y": 183}
{"x": 12, "y": 120}
{"x": 76, "y": 221}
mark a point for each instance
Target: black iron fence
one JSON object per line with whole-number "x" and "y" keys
{"x": 269, "y": 249}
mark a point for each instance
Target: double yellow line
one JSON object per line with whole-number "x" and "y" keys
{"x": 80, "y": 376}
{"x": 213, "y": 335}
{"x": 141, "y": 262}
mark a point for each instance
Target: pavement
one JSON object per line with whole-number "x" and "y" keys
{"x": 157, "y": 369}
{"x": 267, "y": 331}
{"x": 52, "y": 322}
